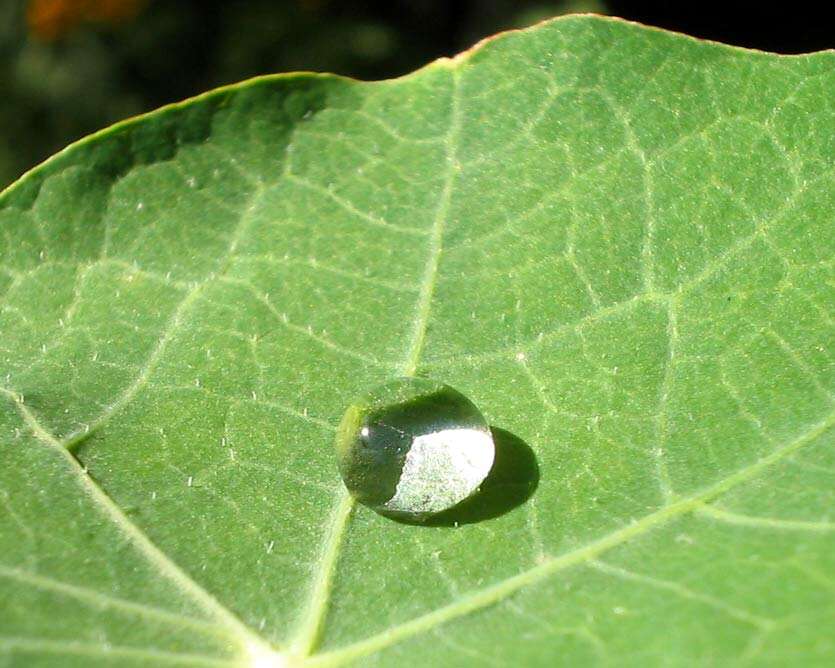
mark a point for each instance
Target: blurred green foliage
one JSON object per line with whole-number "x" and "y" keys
{"x": 70, "y": 67}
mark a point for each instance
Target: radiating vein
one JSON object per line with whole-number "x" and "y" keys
{"x": 100, "y": 600}
{"x": 316, "y": 608}
{"x": 430, "y": 274}
{"x": 310, "y": 625}
{"x": 149, "y": 656}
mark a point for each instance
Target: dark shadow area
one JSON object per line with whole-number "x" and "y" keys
{"x": 512, "y": 481}
{"x": 70, "y": 67}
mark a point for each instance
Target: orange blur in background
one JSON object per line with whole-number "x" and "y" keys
{"x": 49, "y": 20}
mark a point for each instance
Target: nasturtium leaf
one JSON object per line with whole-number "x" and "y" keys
{"x": 616, "y": 241}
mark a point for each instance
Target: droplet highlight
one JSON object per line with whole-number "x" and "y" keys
{"x": 413, "y": 448}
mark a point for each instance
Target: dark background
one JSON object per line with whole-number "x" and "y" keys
{"x": 69, "y": 67}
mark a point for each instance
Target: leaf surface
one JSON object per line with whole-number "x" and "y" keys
{"x": 617, "y": 241}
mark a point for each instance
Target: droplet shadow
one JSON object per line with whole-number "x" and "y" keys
{"x": 512, "y": 481}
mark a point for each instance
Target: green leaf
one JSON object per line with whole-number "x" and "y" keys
{"x": 617, "y": 241}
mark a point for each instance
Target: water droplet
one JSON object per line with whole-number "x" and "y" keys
{"x": 413, "y": 448}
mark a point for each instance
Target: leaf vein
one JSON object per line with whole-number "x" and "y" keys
{"x": 99, "y": 599}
